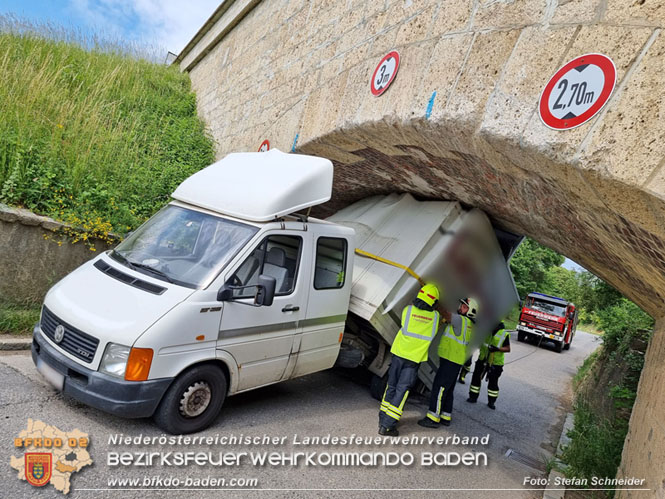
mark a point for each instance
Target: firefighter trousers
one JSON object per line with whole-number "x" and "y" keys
{"x": 443, "y": 387}
{"x": 401, "y": 377}
{"x": 466, "y": 368}
{"x": 493, "y": 375}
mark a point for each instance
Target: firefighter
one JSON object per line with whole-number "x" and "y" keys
{"x": 453, "y": 354}
{"x": 466, "y": 369}
{"x": 490, "y": 362}
{"x": 420, "y": 323}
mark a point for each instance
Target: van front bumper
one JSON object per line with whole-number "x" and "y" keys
{"x": 129, "y": 399}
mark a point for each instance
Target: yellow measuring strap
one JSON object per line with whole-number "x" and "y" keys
{"x": 389, "y": 262}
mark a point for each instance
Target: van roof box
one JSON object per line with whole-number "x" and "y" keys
{"x": 259, "y": 186}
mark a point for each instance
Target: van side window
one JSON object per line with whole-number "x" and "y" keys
{"x": 276, "y": 256}
{"x": 330, "y": 271}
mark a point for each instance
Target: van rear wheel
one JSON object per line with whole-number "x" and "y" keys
{"x": 193, "y": 401}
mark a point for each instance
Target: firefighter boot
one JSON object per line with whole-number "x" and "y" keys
{"x": 391, "y": 432}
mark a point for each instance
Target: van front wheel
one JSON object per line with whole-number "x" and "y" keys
{"x": 193, "y": 401}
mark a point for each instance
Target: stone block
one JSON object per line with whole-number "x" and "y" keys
{"x": 508, "y": 14}
{"x": 401, "y": 97}
{"x": 636, "y": 12}
{"x": 628, "y": 143}
{"x": 416, "y": 27}
{"x": 479, "y": 76}
{"x": 577, "y": 11}
{"x": 622, "y": 45}
{"x": 452, "y": 16}
{"x": 536, "y": 57}
{"x": 442, "y": 72}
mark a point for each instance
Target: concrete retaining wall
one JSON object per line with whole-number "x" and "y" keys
{"x": 34, "y": 255}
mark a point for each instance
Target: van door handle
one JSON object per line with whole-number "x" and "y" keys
{"x": 290, "y": 308}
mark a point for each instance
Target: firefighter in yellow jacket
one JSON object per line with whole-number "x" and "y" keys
{"x": 420, "y": 322}
{"x": 453, "y": 353}
{"x": 490, "y": 362}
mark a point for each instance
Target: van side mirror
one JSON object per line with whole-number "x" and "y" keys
{"x": 225, "y": 294}
{"x": 265, "y": 292}
{"x": 264, "y": 295}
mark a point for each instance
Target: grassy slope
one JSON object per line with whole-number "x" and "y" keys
{"x": 94, "y": 138}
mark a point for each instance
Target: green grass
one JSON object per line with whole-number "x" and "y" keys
{"x": 92, "y": 136}
{"x": 18, "y": 319}
{"x": 596, "y": 445}
{"x": 590, "y": 328}
{"x": 584, "y": 369}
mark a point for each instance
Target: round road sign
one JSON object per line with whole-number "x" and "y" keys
{"x": 577, "y": 91}
{"x": 265, "y": 146}
{"x": 385, "y": 72}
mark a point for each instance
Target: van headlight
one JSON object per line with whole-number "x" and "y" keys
{"x": 114, "y": 361}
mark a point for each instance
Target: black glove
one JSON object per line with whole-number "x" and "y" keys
{"x": 492, "y": 348}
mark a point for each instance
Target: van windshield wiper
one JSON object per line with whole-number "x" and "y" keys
{"x": 119, "y": 256}
{"x": 139, "y": 265}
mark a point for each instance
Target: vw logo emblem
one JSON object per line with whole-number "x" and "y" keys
{"x": 59, "y": 333}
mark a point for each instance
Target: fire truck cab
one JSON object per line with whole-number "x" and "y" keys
{"x": 547, "y": 318}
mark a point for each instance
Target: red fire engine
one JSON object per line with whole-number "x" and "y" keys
{"x": 547, "y": 318}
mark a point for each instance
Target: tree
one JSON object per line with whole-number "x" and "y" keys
{"x": 563, "y": 283}
{"x": 530, "y": 264}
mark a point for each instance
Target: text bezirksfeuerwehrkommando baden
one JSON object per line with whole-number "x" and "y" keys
{"x": 230, "y": 457}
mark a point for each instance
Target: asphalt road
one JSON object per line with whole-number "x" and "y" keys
{"x": 534, "y": 396}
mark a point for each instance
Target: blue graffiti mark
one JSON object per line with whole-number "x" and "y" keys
{"x": 430, "y": 105}
{"x": 295, "y": 140}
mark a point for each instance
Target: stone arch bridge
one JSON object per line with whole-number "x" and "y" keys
{"x": 460, "y": 121}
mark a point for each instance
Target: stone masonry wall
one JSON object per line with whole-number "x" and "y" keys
{"x": 297, "y": 73}
{"x": 644, "y": 449}
{"x": 34, "y": 256}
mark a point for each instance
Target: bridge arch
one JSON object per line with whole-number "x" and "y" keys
{"x": 298, "y": 74}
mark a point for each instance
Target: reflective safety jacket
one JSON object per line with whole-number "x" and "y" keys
{"x": 497, "y": 339}
{"x": 453, "y": 346}
{"x": 418, "y": 329}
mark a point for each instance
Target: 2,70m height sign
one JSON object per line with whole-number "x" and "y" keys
{"x": 577, "y": 91}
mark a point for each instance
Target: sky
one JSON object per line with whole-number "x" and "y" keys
{"x": 570, "y": 265}
{"x": 165, "y": 25}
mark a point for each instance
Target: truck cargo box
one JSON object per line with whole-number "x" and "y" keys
{"x": 440, "y": 241}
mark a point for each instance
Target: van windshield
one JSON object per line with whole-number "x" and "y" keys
{"x": 183, "y": 246}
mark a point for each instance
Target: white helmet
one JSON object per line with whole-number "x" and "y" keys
{"x": 473, "y": 307}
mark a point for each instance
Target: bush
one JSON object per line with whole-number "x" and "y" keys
{"x": 624, "y": 324}
{"x": 94, "y": 138}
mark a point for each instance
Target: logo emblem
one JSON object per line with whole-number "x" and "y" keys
{"x": 38, "y": 468}
{"x": 59, "y": 333}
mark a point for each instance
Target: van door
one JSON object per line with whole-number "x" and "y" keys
{"x": 261, "y": 338}
{"x": 330, "y": 289}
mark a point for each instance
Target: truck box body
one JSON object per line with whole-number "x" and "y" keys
{"x": 441, "y": 242}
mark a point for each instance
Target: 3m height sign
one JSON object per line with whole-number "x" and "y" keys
{"x": 385, "y": 73}
{"x": 577, "y": 91}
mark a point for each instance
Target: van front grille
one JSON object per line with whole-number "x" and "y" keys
{"x": 76, "y": 342}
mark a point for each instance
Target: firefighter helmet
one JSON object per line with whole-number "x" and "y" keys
{"x": 473, "y": 307}
{"x": 429, "y": 293}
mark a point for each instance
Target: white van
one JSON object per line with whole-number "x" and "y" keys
{"x": 220, "y": 292}
{"x": 228, "y": 289}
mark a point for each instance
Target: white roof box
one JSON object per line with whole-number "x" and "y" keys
{"x": 259, "y": 186}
